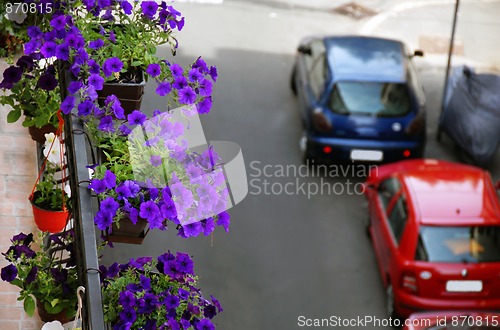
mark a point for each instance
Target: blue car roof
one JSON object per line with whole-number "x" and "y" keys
{"x": 355, "y": 58}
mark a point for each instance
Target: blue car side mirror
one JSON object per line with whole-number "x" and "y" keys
{"x": 304, "y": 50}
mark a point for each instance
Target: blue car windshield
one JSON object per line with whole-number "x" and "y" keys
{"x": 370, "y": 98}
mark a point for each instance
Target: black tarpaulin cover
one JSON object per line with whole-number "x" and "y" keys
{"x": 471, "y": 114}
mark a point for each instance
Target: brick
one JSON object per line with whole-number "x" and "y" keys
{"x": 7, "y": 221}
{"x": 10, "y": 325}
{"x": 8, "y": 288}
{"x": 10, "y": 313}
{"x": 33, "y": 323}
{"x": 9, "y": 299}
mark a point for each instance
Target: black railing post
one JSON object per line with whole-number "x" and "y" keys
{"x": 83, "y": 215}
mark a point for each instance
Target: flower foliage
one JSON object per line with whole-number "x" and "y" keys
{"x": 160, "y": 293}
{"x": 49, "y": 193}
{"x": 41, "y": 274}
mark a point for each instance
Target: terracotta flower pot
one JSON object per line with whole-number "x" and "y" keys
{"x": 51, "y": 221}
{"x": 47, "y": 317}
{"x": 38, "y": 133}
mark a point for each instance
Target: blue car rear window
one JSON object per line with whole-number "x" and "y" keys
{"x": 370, "y": 98}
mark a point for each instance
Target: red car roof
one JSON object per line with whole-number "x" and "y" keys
{"x": 444, "y": 192}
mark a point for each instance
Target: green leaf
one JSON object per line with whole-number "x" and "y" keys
{"x": 29, "y": 306}
{"x": 13, "y": 116}
{"x": 136, "y": 63}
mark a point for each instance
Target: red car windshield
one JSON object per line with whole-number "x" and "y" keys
{"x": 470, "y": 244}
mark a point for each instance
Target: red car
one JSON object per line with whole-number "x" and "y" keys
{"x": 453, "y": 320}
{"x": 435, "y": 229}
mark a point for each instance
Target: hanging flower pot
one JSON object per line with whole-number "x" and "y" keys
{"x": 38, "y": 133}
{"x": 48, "y": 220}
{"x": 128, "y": 90}
{"x": 127, "y": 232}
{"x": 45, "y": 316}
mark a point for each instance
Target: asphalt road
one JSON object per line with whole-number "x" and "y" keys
{"x": 286, "y": 255}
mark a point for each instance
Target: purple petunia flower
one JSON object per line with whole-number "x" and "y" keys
{"x": 74, "y": 87}
{"x": 47, "y": 82}
{"x": 34, "y": 32}
{"x": 48, "y": 49}
{"x": 205, "y": 324}
{"x": 85, "y": 108}
{"x": 163, "y": 15}
{"x": 223, "y": 220}
{"x": 180, "y": 24}
{"x": 187, "y": 96}
{"x": 168, "y": 209}
{"x": 111, "y": 65}
{"x": 31, "y": 275}
{"x": 112, "y": 37}
{"x": 193, "y": 229}
{"x": 107, "y": 124}
{"x": 163, "y": 88}
{"x": 96, "y": 44}
{"x": 93, "y": 67}
{"x": 149, "y": 210}
{"x": 208, "y": 226}
{"x": 118, "y": 110}
{"x": 58, "y": 22}
{"x": 149, "y": 8}
{"x": 126, "y": 6}
{"x": 180, "y": 82}
{"x": 62, "y": 52}
{"x": 136, "y": 118}
{"x": 184, "y": 263}
{"x": 204, "y": 105}
{"x": 209, "y": 311}
{"x": 177, "y": 70}
{"x": 145, "y": 282}
{"x": 9, "y": 273}
{"x": 127, "y": 316}
{"x": 75, "y": 69}
{"x": 134, "y": 187}
{"x": 12, "y": 75}
{"x": 109, "y": 205}
{"x": 126, "y": 298}
{"x": 153, "y": 70}
{"x": 205, "y": 87}
{"x": 183, "y": 294}
{"x": 124, "y": 129}
{"x": 97, "y": 81}
{"x": 201, "y": 65}
{"x": 123, "y": 192}
{"x": 25, "y": 63}
{"x": 98, "y": 186}
{"x": 195, "y": 75}
{"x": 109, "y": 179}
{"x": 213, "y": 73}
{"x": 75, "y": 40}
{"x": 68, "y": 104}
{"x": 170, "y": 268}
{"x": 216, "y": 303}
{"x": 91, "y": 93}
{"x": 171, "y": 301}
{"x": 155, "y": 160}
{"x": 81, "y": 56}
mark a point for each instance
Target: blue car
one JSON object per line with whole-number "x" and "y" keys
{"x": 360, "y": 99}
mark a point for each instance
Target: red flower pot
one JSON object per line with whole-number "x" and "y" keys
{"x": 51, "y": 221}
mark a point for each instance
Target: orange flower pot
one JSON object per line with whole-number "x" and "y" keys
{"x": 51, "y": 221}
